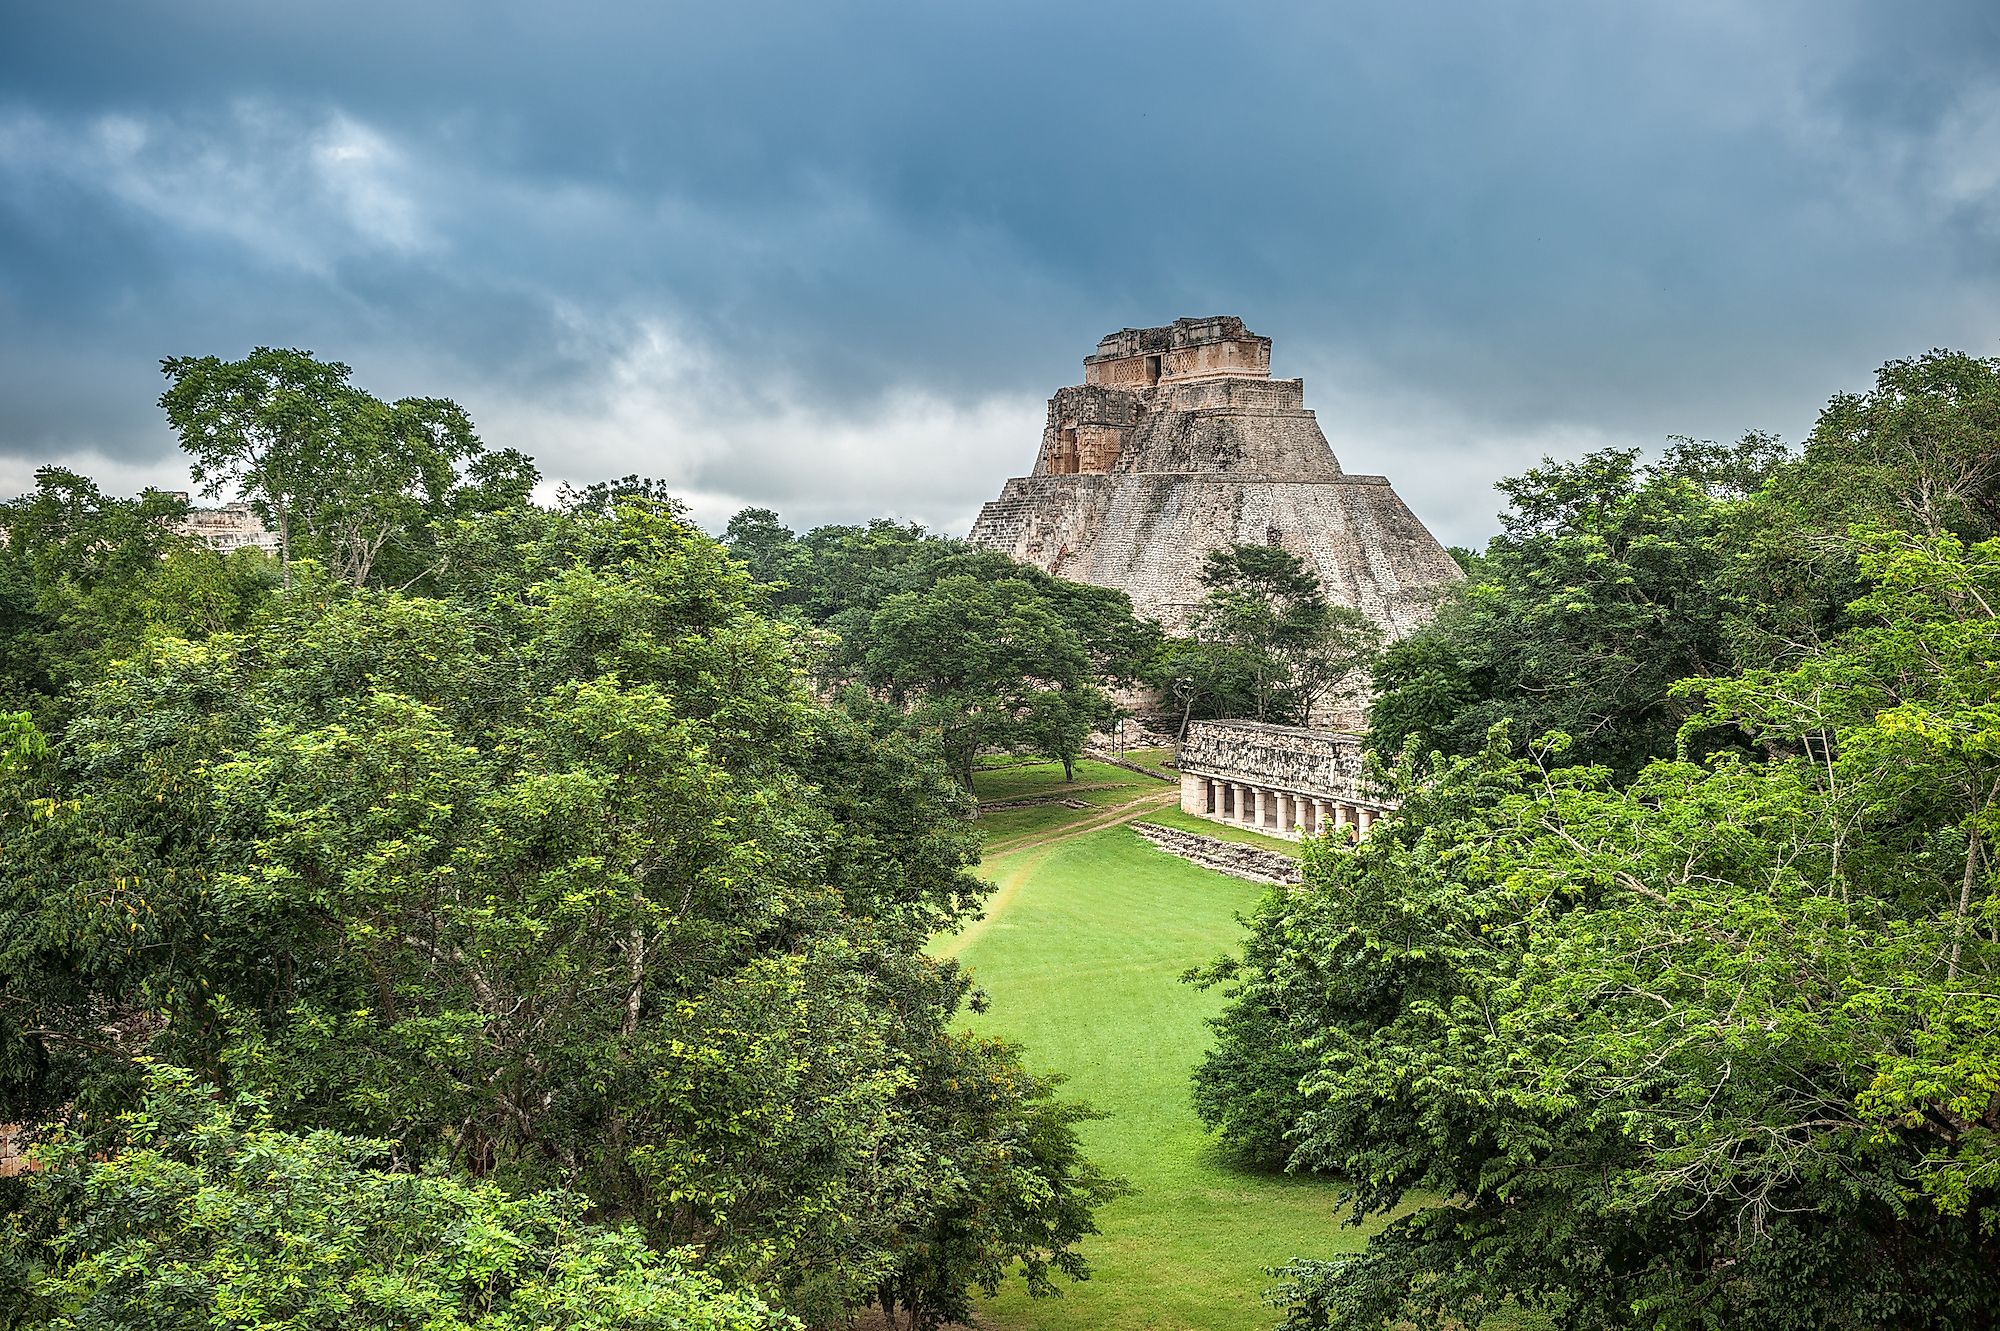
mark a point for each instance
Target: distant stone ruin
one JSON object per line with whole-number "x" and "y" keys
{"x": 1178, "y": 442}
{"x": 234, "y": 526}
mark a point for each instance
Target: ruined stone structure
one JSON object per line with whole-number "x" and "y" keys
{"x": 1279, "y": 780}
{"x": 1179, "y": 442}
{"x": 231, "y": 527}
{"x": 1253, "y": 863}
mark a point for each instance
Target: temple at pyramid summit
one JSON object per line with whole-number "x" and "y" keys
{"x": 1179, "y": 442}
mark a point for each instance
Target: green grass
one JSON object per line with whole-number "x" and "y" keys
{"x": 1156, "y": 758}
{"x": 1030, "y": 779}
{"x": 1008, "y": 824}
{"x": 1171, "y": 816}
{"x": 1081, "y": 955}
{"x": 1096, "y": 784}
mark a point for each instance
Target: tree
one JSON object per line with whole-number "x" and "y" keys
{"x": 337, "y": 473}
{"x": 262, "y": 427}
{"x": 838, "y": 577}
{"x": 602, "y": 497}
{"x": 560, "y": 878}
{"x": 1264, "y": 634}
{"x": 1328, "y": 664}
{"x": 1711, "y": 1048}
{"x": 984, "y": 665}
{"x": 1609, "y": 581}
{"x": 756, "y": 537}
{"x": 208, "y": 1215}
{"x": 1919, "y": 453}
{"x": 86, "y": 576}
{"x": 1202, "y": 679}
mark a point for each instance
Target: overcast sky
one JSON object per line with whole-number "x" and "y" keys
{"x": 833, "y": 257}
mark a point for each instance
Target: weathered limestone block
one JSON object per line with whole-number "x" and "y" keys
{"x": 1230, "y": 857}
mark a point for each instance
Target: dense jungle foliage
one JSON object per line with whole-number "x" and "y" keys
{"x": 494, "y": 914}
{"x": 989, "y": 653}
{"x": 1670, "y": 997}
{"x": 500, "y": 847}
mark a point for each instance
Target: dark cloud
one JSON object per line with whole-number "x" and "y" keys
{"x": 832, "y": 256}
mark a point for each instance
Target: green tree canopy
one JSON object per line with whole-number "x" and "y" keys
{"x": 1265, "y": 642}
{"x": 340, "y": 475}
{"x": 209, "y": 1215}
{"x": 977, "y": 650}
{"x": 1609, "y": 581}
{"x": 85, "y": 577}
{"x": 983, "y": 665}
{"x": 558, "y": 877}
{"x": 1714, "y": 1048}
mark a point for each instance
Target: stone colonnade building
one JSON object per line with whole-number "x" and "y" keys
{"x": 1279, "y": 780}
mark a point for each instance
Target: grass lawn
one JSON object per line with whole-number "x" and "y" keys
{"x": 1096, "y": 784}
{"x": 1081, "y": 954}
{"x": 1030, "y": 779}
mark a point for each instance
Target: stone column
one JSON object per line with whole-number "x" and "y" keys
{"x": 1340, "y": 820}
{"x": 1194, "y": 794}
{"x": 1365, "y": 823}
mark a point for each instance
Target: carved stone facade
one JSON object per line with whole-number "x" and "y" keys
{"x": 1279, "y": 780}
{"x": 231, "y": 527}
{"x": 1179, "y": 442}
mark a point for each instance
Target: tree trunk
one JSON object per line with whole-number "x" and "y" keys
{"x": 1964, "y": 902}
{"x": 635, "y": 992}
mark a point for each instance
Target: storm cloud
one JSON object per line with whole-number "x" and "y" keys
{"x": 830, "y": 258}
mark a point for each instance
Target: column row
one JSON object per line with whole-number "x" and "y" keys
{"x": 1262, "y": 809}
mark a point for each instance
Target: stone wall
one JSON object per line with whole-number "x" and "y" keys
{"x": 1086, "y": 431}
{"x": 1147, "y": 535}
{"x": 1184, "y": 349}
{"x": 13, "y": 1149}
{"x": 1230, "y": 857}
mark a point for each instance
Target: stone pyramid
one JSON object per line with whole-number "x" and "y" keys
{"x": 1179, "y": 442}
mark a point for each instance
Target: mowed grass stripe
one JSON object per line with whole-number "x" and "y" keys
{"x": 1081, "y": 954}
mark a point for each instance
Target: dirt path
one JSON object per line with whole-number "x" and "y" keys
{"x": 1008, "y": 883}
{"x": 1106, "y": 816}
